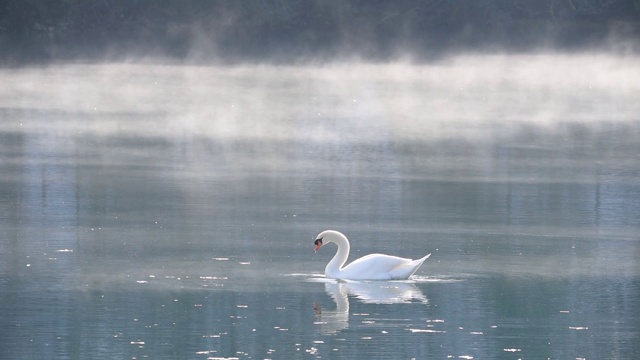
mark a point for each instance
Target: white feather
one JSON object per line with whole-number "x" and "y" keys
{"x": 369, "y": 267}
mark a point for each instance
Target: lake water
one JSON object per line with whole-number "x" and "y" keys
{"x": 169, "y": 211}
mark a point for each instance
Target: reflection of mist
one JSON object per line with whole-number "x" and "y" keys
{"x": 375, "y": 292}
{"x": 45, "y": 214}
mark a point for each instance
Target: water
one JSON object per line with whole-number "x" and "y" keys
{"x": 169, "y": 212}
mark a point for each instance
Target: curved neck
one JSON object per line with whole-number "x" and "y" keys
{"x": 335, "y": 265}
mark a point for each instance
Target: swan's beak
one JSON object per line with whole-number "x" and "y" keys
{"x": 318, "y": 244}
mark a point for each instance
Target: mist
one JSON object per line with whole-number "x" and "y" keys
{"x": 164, "y": 167}
{"x": 461, "y": 97}
{"x": 317, "y": 70}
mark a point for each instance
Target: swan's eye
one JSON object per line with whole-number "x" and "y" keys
{"x": 318, "y": 242}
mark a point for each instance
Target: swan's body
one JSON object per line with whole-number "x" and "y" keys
{"x": 370, "y": 267}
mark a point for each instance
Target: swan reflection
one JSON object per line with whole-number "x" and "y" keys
{"x": 375, "y": 292}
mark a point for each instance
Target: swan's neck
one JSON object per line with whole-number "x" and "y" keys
{"x": 335, "y": 265}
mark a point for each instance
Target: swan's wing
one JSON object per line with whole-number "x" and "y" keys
{"x": 406, "y": 270}
{"x": 375, "y": 267}
{"x": 381, "y": 267}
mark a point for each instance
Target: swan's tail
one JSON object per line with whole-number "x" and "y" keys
{"x": 421, "y": 260}
{"x": 417, "y": 263}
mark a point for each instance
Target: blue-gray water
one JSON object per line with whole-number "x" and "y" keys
{"x": 169, "y": 212}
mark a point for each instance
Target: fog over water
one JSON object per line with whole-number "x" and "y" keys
{"x": 399, "y": 100}
{"x": 167, "y": 210}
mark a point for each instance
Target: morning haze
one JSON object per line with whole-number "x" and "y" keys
{"x": 166, "y": 166}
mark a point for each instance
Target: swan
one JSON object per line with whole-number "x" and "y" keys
{"x": 370, "y": 267}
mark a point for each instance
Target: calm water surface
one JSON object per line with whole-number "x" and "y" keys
{"x": 169, "y": 212}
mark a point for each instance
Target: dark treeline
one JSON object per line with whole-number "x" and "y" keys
{"x": 293, "y": 30}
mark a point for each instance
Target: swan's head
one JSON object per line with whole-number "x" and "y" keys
{"x": 318, "y": 244}
{"x": 326, "y": 237}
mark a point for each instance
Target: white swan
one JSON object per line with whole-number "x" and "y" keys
{"x": 370, "y": 267}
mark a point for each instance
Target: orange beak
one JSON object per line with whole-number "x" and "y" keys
{"x": 318, "y": 244}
